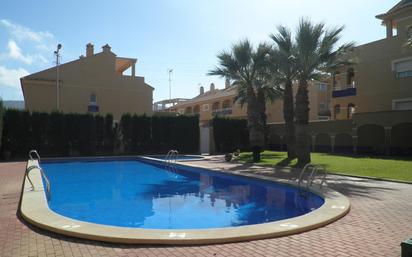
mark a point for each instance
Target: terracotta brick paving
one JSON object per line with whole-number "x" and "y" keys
{"x": 380, "y": 218}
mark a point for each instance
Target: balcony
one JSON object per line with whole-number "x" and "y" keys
{"x": 348, "y": 91}
{"x": 224, "y": 111}
{"x": 93, "y": 108}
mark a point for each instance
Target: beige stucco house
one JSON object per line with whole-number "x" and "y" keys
{"x": 220, "y": 102}
{"x": 381, "y": 78}
{"x": 94, "y": 83}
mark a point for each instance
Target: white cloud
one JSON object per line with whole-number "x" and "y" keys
{"x": 11, "y": 77}
{"x": 16, "y": 53}
{"x": 26, "y": 45}
{"x": 24, "y": 33}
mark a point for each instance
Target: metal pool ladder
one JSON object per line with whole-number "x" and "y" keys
{"x": 170, "y": 160}
{"x": 314, "y": 170}
{"x": 32, "y": 167}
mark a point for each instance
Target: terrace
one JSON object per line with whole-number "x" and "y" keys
{"x": 377, "y": 206}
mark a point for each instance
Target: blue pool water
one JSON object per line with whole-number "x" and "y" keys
{"x": 131, "y": 193}
{"x": 179, "y": 157}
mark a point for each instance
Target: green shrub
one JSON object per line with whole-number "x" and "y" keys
{"x": 230, "y": 134}
{"x": 1, "y": 120}
{"x": 57, "y": 134}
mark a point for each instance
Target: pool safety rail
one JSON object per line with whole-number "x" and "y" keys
{"x": 35, "y": 153}
{"x": 33, "y": 167}
{"x": 170, "y": 160}
{"x": 314, "y": 171}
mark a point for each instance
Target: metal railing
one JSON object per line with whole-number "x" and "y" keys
{"x": 170, "y": 160}
{"x": 36, "y": 153}
{"x": 43, "y": 175}
{"x": 314, "y": 171}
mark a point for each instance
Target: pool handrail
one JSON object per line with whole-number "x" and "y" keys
{"x": 170, "y": 160}
{"x": 37, "y": 155}
{"x": 48, "y": 186}
{"x": 43, "y": 175}
{"x": 315, "y": 169}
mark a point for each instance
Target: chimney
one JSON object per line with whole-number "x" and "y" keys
{"x": 106, "y": 48}
{"x": 227, "y": 83}
{"x": 202, "y": 90}
{"x": 212, "y": 87}
{"x": 89, "y": 49}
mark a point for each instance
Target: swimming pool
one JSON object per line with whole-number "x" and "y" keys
{"x": 132, "y": 193}
{"x": 135, "y": 200}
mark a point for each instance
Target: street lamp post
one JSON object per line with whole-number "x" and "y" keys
{"x": 170, "y": 83}
{"x": 57, "y": 53}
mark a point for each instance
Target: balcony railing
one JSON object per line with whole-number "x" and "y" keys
{"x": 350, "y": 91}
{"x": 224, "y": 111}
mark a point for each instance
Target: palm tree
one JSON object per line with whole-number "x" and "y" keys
{"x": 247, "y": 68}
{"x": 316, "y": 51}
{"x": 283, "y": 55}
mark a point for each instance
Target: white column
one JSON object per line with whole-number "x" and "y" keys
{"x": 133, "y": 70}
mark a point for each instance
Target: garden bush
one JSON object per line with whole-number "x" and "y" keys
{"x": 230, "y": 134}
{"x": 57, "y": 134}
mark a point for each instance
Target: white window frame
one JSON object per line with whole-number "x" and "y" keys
{"x": 205, "y": 107}
{"x": 323, "y": 87}
{"x": 394, "y": 62}
{"x": 395, "y": 101}
{"x": 95, "y": 99}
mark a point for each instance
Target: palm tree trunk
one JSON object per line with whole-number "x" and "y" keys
{"x": 261, "y": 101}
{"x": 256, "y": 133}
{"x": 289, "y": 115}
{"x": 302, "y": 121}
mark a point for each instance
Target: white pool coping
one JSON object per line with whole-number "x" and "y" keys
{"x": 35, "y": 210}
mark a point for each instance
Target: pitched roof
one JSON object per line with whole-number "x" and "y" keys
{"x": 210, "y": 95}
{"x": 402, "y": 4}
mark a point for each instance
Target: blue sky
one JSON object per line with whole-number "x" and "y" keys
{"x": 184, "y": 35}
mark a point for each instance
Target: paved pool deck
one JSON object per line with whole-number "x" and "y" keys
{"x": 380, "y": 218}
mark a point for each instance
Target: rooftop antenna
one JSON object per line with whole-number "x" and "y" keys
{"x": 170, "y": 83}
{"x": 57, "y": 54}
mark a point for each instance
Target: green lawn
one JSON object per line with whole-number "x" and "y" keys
{"x": 378, "y": 167}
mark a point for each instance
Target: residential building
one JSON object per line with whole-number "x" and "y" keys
{"x": 371, "y": 100}
{"x": 95, "y": 83}
{"x": 221, "y": 102}
{"x": 165, "y": 105}
{"x": 380, "y": 78}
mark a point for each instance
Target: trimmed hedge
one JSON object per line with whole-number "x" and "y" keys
{"x": 1, "y": 119}
{"x": 159, "y": 134}
{"x": 230, "y": 134}
{"x": 57, "y": 134}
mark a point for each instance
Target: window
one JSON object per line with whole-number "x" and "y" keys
{"x": 351, "y": 110}
{"x": 205, "y": 107}
{"x": 402, "y": 104}
{"x": 93, "y": 99}
{"x": 350, "y": 78}
{"x": 323, "y": 87}
{"x": 403, "y": 74}
{"x": 336, "y": 81}
{"x": 226, "y": 104}
{"x": 196, "y": 109}
{"x": 93, "y": 107}
{"x": 403, "y": 69}
{"x": 215, "y": 106}
{"x": 336, "y": 111}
